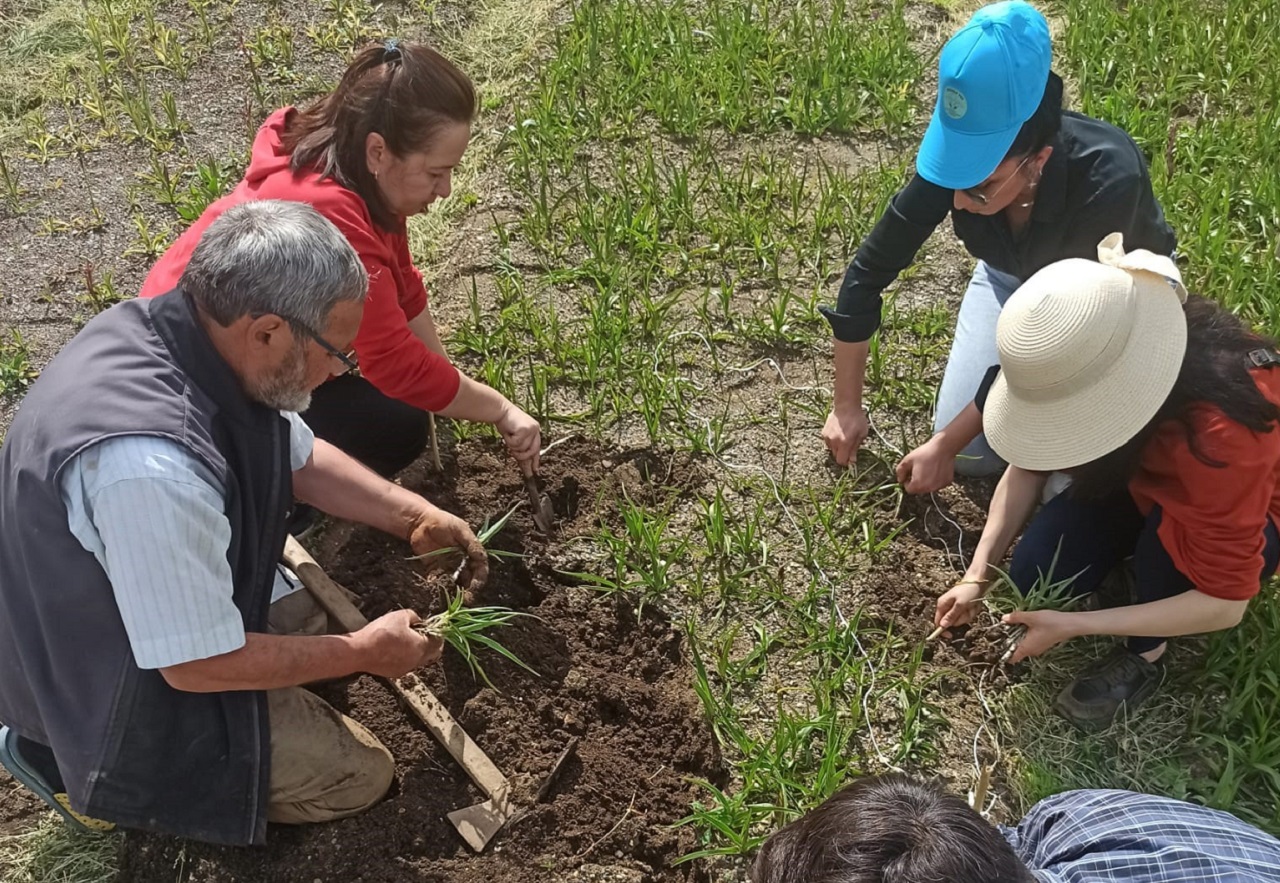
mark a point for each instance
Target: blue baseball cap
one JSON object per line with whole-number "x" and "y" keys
{"x": 991, "y": 78}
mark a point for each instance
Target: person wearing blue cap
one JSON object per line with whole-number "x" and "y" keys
{"x": 1026, "y": 184}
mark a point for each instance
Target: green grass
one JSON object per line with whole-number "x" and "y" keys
{"x": 1197, "y": 87}
{"x": 682, "y": 215}
{"x": 16, "y": 372}
{"x": 51, "y": 852}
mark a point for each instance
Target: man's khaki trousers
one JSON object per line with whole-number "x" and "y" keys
{"x": 324, "y": 765}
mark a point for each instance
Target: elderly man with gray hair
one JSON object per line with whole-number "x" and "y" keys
{"x": 147, "y": 679}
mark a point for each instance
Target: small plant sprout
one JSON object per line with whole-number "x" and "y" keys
{"x": 16, "y": 371}
{"x": 463, "y": 628}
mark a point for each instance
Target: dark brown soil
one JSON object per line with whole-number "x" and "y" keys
{"x": 615, "y": 680}
{"x": 19, "y": 808}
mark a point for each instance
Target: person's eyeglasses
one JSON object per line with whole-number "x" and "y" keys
{"x": 347, "y": 359}
{"x": 976, "y": 194}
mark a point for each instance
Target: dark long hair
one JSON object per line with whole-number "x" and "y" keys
{"x": 1043, "y": 125}
{"x": 889, "y": 829}
{"x": 406, "y": 93}
{"x": 1215, "y": 372}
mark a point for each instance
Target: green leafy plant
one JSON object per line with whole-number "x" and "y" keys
{"x": 463, "y": 628}
{"x": 10, "y": 187}
{"x": 16, "y": 372}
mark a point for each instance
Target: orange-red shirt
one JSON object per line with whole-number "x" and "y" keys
{"x": 1214, "y": 517}
{"x": 391, "y": 356}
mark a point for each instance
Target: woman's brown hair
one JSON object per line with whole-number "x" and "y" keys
{"x": 405, "y": 92}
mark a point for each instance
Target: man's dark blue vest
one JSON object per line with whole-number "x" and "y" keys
{"x": 130, "y": 748}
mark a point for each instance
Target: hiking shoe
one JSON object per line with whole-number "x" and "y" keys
{"x": 1123, "y": 679}
{"x": 13, "y": 756}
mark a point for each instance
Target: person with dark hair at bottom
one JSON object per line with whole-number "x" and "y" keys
{"x": 1162, "y": 409}
{"x": 379, "y": 148}
{"x": 897, "y": 829}
{"x": 1026, "y": 184}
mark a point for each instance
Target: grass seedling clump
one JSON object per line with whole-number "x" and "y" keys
{"x": 16, "y": 372}
{"x": 463, "y": 628}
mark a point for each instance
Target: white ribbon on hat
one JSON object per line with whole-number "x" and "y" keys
{"x": 1111, "y": 252}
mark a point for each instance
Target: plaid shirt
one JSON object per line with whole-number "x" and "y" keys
{"x": 1105, "y": 836}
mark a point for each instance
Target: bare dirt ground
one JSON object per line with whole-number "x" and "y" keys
{"x": 615, "y": 679}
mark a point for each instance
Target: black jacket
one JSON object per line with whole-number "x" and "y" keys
{"x": 130, "y": 748}
{"x": 1094, "y": 183}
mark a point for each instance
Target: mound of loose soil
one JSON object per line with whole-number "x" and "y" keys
{"x": 615, "y": 680}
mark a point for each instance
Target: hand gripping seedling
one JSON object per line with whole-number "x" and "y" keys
{"x": 477, "y": 824}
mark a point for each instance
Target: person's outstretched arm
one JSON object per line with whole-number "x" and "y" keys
{"x": 1014, "y": 500}
{"x": 891, "y": 246}
{"x": 1190, "y": 613}
{"x": 335, "y": 483}
{"x": 389, "y": 646}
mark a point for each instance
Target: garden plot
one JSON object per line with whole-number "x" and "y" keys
{"x": 614, "y": 678}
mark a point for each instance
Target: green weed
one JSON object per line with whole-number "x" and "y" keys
{"x": 463, "y": 628}
{"x": 16, "y": 372}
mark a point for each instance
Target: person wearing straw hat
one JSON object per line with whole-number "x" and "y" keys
{"x": 1026, "y": 184}
{"x": 1162, "y": 409}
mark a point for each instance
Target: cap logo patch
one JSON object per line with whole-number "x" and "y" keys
{"x": 954, "y": 103}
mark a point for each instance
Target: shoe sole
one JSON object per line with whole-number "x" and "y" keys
{"x": 59, "y": 802}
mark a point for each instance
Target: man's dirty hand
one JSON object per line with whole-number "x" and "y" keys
{"x": 435, "y": 530}
{"x": 390, "y": 646}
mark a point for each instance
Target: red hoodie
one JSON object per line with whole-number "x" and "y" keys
{"x": 392, "y": 358}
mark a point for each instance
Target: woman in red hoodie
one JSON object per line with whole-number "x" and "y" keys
{"x": 379, "y": 148}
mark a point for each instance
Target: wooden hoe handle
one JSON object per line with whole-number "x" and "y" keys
{"x": 424, "y": 704}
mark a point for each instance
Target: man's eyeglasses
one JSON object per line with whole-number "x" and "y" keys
{"x": 976, "y": 194}
{"x": 347, "y": 359}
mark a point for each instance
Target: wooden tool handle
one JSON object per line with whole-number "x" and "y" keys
{"x": 328, "y": 593}
{"x": 424, "y": 704}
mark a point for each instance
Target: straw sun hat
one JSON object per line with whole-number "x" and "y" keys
{"x": 1088, "y": 353}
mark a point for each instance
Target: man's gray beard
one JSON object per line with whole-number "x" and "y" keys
{"x": 287, "y": 389}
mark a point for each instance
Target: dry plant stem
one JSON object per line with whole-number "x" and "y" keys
{"x": 435, "y": 443}
{"x": 981, "y": 788}
{"x": 586, "y": 852}
{"x": 558, "y": 441}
